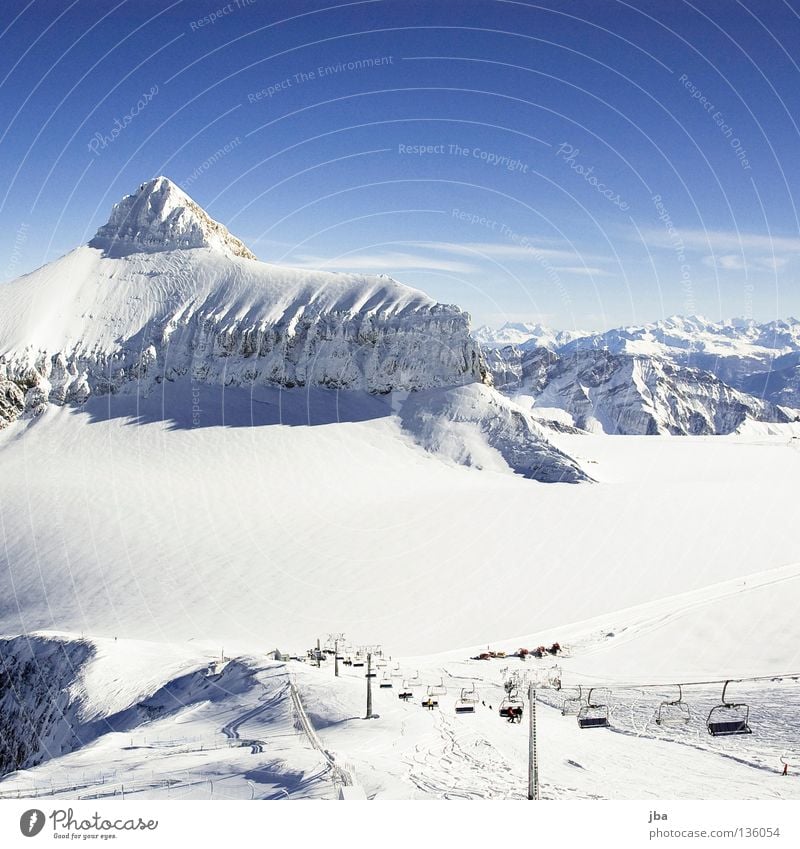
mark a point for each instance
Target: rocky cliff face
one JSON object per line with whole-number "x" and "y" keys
{"x": 36, "y": 709}
{"x": 628, "y": 394}
{"x": 163, "y": 292}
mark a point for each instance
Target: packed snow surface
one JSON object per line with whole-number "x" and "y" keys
{"x": 274, "y": 516}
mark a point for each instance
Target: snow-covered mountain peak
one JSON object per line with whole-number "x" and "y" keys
{"x": 159, "y": 216}
{"x": 527, "y": 334}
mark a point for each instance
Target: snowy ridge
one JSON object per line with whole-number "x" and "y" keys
{"x": 146, "y": 318}
{"x": 526, "y": 334}
{"x": 679, "y": 337}
{"x": 182, "y": 299}
{"x": 476, "y": 426}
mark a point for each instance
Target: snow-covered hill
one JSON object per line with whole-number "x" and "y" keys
{"x": 119, "y": 521}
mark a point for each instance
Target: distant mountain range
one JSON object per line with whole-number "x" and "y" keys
{"x": 677, "y": 376}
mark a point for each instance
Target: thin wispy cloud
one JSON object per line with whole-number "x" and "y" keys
{"x": 723, "y": 241}
{"x": 583, "y": 270}
{"x": 387, "y": 262}
{"x": 494, "y": 250}
{"x": 738, "y": 262}
{"x": 498, "y": 250}
{"x": 450, "y": 257}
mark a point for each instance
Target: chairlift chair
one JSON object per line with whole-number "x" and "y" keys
{"x": 512, "y": 700}
{"x": 593, "y": 715}
{"x": 386, "y": 682}
{"x": 438, "y": 689}
{"x": 469, "y": 694}
{"x": 432, "y": 698}
{"x": 728, "y": 718}
{"x": 405, "y": 692}
{"x": 572, "y": 704}
{"x": 674, "y": 712}
{"x": 467, "y": 701}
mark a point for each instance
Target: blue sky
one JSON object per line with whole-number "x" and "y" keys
{"x": 586, "y": 164}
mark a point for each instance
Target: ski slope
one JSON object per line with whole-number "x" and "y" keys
{"x": 253, "y": 728}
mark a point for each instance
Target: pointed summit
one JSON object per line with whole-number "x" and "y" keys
{"x": 162, "y": 217}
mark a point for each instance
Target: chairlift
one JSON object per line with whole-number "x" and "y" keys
{"x": 386, "y": 682}
{"x": 405, "y": 692}
{"x": 467, "y": 700}
{"x": 358, "y": 661}
{"x": 469, "y": 694}
{"x": 572, "y": 704}
{"x": 728, "y": 718}
{"x": 674, "y": 712}
{"x": 432, "y": 698}
{"x": 593, "y": 715}
{"x": 438, "y": 689}
{"x": 512, "y": 700}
